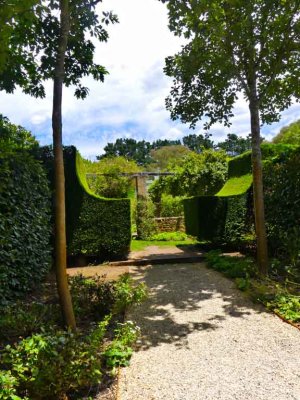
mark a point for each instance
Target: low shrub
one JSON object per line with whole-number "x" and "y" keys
{"x": 232, "y": 267}
{"x": 94, "y": 297}
{"x": 24, "y": 319}
{"x": 171, "y": 206}
{"x": 55, "y": 364}
{"x": 145, "y": 219}
{"x": 52, "y": 364}
{"x": 271, "y": 293}
{"x": 170, "y": 236}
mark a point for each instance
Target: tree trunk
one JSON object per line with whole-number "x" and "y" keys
{"x": 59, "y": 174}
{"x": 258, "y": 194}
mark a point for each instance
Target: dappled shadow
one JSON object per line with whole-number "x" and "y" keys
{"x": 185, "y": 298}
{"x": 171, "y": 253}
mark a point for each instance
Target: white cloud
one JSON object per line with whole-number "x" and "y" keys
{"x": 131, "y": 101}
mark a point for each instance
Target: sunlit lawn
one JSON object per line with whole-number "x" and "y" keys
{"x": 137, "y": 245}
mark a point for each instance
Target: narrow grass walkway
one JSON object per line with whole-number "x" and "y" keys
{"x": 204, "y": 340}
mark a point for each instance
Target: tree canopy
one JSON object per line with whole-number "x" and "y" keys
{"x": 235, "y": 145}
{"x": 199, "y": 142}
{"x": 235, "y": 46}
{"x": 166, "y": 157}
{"x": 289, "y": 134}
{"x": 32, "y": 44}
{"x": 231, "y": 44}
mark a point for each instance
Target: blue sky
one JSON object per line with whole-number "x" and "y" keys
{"x": 130, "y": 103}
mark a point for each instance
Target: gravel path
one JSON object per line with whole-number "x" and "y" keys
{"x": 202, "y": 339}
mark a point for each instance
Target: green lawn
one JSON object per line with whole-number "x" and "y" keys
{"x": 137, "y": 245}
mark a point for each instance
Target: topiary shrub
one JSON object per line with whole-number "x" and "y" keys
{"x": 95, "y": 226}
{"x": 25, "y": 224}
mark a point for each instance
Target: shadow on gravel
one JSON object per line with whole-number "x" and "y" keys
{"x": 177, "y": 292}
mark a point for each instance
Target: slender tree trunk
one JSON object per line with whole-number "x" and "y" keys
{"x": 59, "y": 174}
{"x": 258, "y": 194}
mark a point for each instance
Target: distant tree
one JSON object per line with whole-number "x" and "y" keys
{"x": 167, "y": 156}
{"x": 108, "y": 181}
{"x": 236, "y": 46}
{"x": 198, "y": 143}
{"x": 235, "y": 145}
{"x": 157, "y": 144}
{"x": 131, "y": 149}
{"x": 289, "y": 134}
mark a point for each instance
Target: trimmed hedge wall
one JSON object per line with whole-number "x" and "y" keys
{"x": 228, "y": 216}
{"x": 282, "y": 200}
{"x": 205, "y": 217}
{"x": 95, "y": 226}
{"x": 24, "y": 224}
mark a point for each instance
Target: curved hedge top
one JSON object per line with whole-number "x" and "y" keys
{"x": 95, "y": 225}
{"x": 240, "y": 168}
{"x": 236, "y": 186}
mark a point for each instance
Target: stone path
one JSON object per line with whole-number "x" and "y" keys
{"x": 203, "y": 340}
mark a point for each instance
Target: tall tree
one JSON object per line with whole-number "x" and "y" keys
{"x": 167, "y": 156}
{"x": 56, "y": 46}
{"x": 139, "y": 151}
{"x": 289, "y": 134}
{"x": 236, "y": 46}
{"x": 235, "y": 145}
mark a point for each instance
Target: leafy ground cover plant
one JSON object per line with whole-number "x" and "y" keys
{"x": 93, "y": 297}
{"x": 170, "y": 236}
{"x": 40, "y": 361}
{"x": 276, "y": 292}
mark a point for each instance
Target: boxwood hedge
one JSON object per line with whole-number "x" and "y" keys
{"x": 228, "y": 215}
{"x": 96, "y": 226}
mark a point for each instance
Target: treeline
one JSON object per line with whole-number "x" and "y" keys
{"x": 144, "y": 153}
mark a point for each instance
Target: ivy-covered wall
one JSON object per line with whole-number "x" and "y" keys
{"x": 96, "y": 226}
{"x": 24, "y": 223}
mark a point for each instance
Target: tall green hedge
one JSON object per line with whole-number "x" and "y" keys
{"x": 24, "y": 223}
{"x": 95, "y": 226}
{"x": 228, "y": 215}
{"x": 282, "y": 199}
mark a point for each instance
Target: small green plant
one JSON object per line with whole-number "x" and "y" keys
{"x": 287, "y": 305}
{"x": 95, "y": 298}
{"x": 92, "y": 297}
{"x": 8, "y": 385}
{"x": 52, "y": 364}
{"x": 119, "y": 351}
{"x": 24, "y": 319}
{"x": 233, "y": 267}
{"x": 128, "y": 294}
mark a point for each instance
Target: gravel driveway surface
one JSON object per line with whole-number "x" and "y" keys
{"x": 202, "y": 339}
